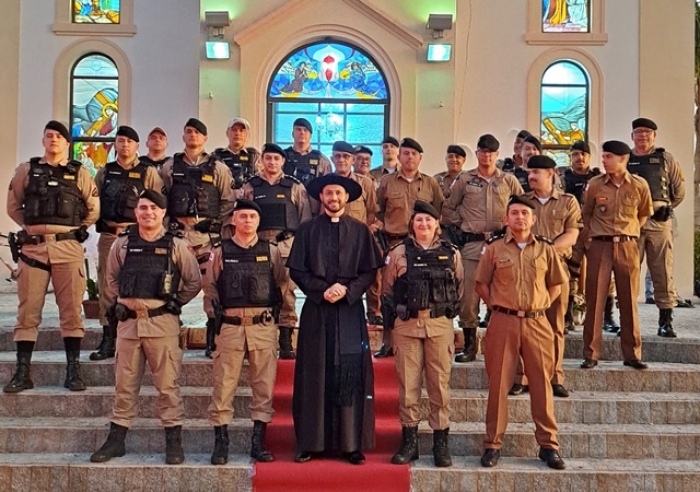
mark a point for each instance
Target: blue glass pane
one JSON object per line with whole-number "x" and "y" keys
{"x": 283, "y": 126}
{"x": 563, "y": 115}
{"x": 95, "y": 109}
{"x": 365, "y": 108}
{"x": 95, "y": 66}
{"x": 328, "y": 71}
{"x": 561, "y": 157}
{"x": 326, "y": 150}
{"x": 332, "y": 108}
{"x": 329, "y": 127}
{"x": 95, "y": 11}
{"x": 297, "y": 107}
{"x": 565, "y": 15}
{"x": 565, "y": 73}
{"x": 365, "y": 128}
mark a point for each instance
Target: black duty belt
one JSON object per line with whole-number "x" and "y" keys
{"x": 203, "y": 258}
{"x": 262, "y": 318}
{"x": 471, "y": 237}
{"x": 519, "y": 314}
{"x": 34, "y": 263}
{"x": 40, "y": 238}
{"x": 614, "y": 239}
{"x": 152, "y": 313}
{"x": 393, "y": 237}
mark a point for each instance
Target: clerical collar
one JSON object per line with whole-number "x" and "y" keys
{"x": 335, "y": 219}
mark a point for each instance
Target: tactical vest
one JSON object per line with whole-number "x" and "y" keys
{"x": 120, "y": 192}
{"x": 519, "y": 173}
{"x": 429, "y": 281}
{"x": 246, "y": 279}
{"x": 145, "y": 266}
{"x": 652, "y": 167}
{"x": 575, "y": 184}
{"x": 52, "y": 195}
{"x": 303, "y": 167}
{"x": 194, "y": 193}
{"x": 242, "y": 165}
{"x": 275, "y": 201}
{"x": 144, "y": 159}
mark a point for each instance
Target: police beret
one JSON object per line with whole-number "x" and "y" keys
{"x": 315, "y": 187}
{"x": 409, "y": 143}
{"x": 304, "y": 123}
{"x": 541, "y": 162}
{"x": 158, "y": 129}
{"x": 271, "y": 148}
{"x": 342, "y": 146}
{"x": 242, "y": 204}
{"x": 155, "y": 197}
{"x": 521, "y": 200}
{"x": 390, "y": 140}
{"x": 197, "y": 125}
{"x": 616, "y": 147}
{"x": 488, "y": 142}
{"x": 644, "y": 123}
{"x": 581, "y": 145}
{"x": 59, "y": 127}
{"x": 534, "y": 141}
{"x": 421, "y": 207}
{"x": 361, "y": 149}
{"x": 523, "y": 134}
{"x": 128, "y": 132}
{"x": 456, "y": 149}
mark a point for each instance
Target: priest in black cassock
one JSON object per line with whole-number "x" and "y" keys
{"x": 334, "y": 260}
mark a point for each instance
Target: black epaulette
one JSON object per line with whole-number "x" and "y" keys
{"x": 174, "y": 233}
{"x": 544, "y": 239}
{"x": 129, "y": 230}
{"x": 34, "y": 160}
{"x": 660, "y": 150}
{"x": 448, "y": 243}
{"x": 291, "y": 178}
{"x": 595, "y": 171}
{"x": 219, "y": 150}
{"x": 400, "y": 243}
{"x": 254, "y": 181}
{"x": 495, "y": 237}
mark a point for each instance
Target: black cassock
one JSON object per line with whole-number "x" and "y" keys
{"x": 333, "y": 402}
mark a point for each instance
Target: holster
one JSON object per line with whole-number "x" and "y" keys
{"x": 218, "y": 315}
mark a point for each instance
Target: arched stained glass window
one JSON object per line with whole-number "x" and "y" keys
{"x": 338, "y": 88}
{"x": 564, "y": 106}
{"x": 94, "y": 109}
{"x": 566, "y": 15}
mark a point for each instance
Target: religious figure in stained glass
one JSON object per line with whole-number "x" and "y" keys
{"x": 565, "y": 15}
{"x": 96, "y": 11}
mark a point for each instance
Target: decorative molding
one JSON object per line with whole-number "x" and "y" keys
{"x": 64, "y": 25}
{"x": 596, "y": 37}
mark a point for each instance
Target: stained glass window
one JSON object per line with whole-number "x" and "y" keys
{"x": 564, "y": 108}
{"x": 566, "y": 15}
{"x": 96, "y": 11}
{"x": 94, "y": 110}
{"x": 338, "y": 88}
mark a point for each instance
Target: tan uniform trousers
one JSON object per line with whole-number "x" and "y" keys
{"x": 103, "y": 246}
{"x": 164, "y": 358}
{"x": 469, "y": 308}
{"x": 507, "y": 339}
{"x": 231, "y": 348}
{"x": 622, "y": 259}
{"x": 69, "y": 287}
{"x": 657, "y": 246}
{"x": 432, "y": 355}
{"x": 288, "y": 314}
{"x": 373, "y": 296}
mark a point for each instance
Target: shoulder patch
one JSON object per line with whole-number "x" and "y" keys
{"x": 544, "y": 239}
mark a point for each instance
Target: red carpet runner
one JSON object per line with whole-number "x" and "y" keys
{"x": 329, "y": 473}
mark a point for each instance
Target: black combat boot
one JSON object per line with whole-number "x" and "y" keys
{"x": 608, "y": 321}
{"x": 174, "y": 454}
{"x": 408, "y": 451}
{"x": 286, "y": 350}
{"x": 220, "y": 454}
{"x": 569, "y": 317}
{"x": 74, "y": 380}
{"x": 469, "y": 352}
{"x": 107, "y": 347}
{"x": 666, "y": 324}
{"x": 211, "y": 336}
{"x": 113, "y": 446}
{"x": 257, "y": 443}
{"x": 21, "y": 379}
{"x": 441, "y": 450}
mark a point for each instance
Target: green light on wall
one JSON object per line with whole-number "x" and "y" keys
{"x": 439, "y": 52}
{"x": 218, "y": 50}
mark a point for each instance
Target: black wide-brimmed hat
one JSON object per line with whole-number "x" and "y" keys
{"x": 315, "y": 187}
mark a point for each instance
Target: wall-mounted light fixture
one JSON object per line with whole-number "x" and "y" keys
{"x": 439, "y": 23}
{"x": 216, "y": 47}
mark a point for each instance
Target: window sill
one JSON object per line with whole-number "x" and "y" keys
{"x": 70, "y": 29}
{"x": 566, "y": 39}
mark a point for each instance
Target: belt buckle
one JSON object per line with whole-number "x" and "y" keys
{"x": 521, "y": 314}
{"x": 616, "y": 239}
{"x": 267, "y": 318}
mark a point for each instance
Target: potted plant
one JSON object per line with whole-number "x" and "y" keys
{"x": 91, "y": 305}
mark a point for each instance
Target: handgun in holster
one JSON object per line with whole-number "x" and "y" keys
{"x": 15, "y": 248}
{"x": 218, "y": 315}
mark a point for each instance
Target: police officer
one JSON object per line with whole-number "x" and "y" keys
{"x": 519, "y": 276}
{"x": 284, "y": 206}
{"x": 241, "y": 160}
{"x": 510, "y": 163}
{"x": 530, "y": 146}
{"x": 54, "y": 201}
{"x": 615, "y": 207}
{"x": 156, "y": 144}
{"x": 455, "y": 159}
{"x": 476, "y": 208}
{"x": 151, "y": 274}
{"x": 200, "y": 198}
{"x": 303, "y": 162}
{"x": 119, "y": 183}
{"x": 396, "y": 195}
{"x": 243, "y": 287}
{"x": 390, "y": 158}
{"x": 420, "y": 313}
{"x": 663, "y": 174}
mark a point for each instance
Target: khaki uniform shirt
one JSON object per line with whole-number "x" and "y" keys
{"x": 559, "y": 213}
{"x": 612, "y": 211}
{"x": 396, "y": 196}
{"x": 519, "y": 278}
{"x": 363, "y": 209}
{"x": 165, "y": 325}
{"x": 395, "y": 266}
{"x": 446, "y": 182}
{"x": 51, "y": 251}
{"x": 379, "y": 172}
{"x": 676, "y": 191}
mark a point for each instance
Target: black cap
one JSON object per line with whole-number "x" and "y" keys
{"x": 197, "y": 125}
{"x": 390, "y": 140}
{"x": 304, "y": 123}
{"x": 155, "y": 197}
{"x": 616, "y": 147}
{"x": 488, "y": 142}
{"x": 315, "y": 187}
{"x": 128, "y": 132}
{"x": 242, "y": 204}
{"x": 421, "y": 207}
{"x": 342, "y": 146}
{"x": 59, "y": 127}
{"x": 409, "y": 143}
{"x": 456, "y": 149}
{"x": 520, "y": 199}
{"x": 271, "y": 148}
{"x": 361, "y": 149}
{"x": 534, "y": 141}
{"x": 523, "y": 134}
{"x": 581, "y": 145}
{"x": 541, "y": 162}
{"x": 644, "y": 123}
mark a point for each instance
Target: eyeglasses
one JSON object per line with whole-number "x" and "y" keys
{"x": 643, "y": 131}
